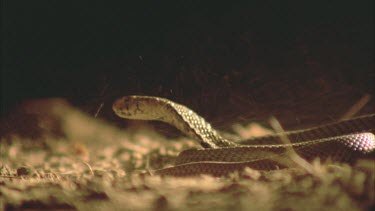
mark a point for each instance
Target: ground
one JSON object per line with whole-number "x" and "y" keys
{"x": 69, "y": 160}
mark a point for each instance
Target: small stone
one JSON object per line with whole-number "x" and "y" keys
{"x": 23, "y": 171}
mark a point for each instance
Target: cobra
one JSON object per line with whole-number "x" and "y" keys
{"x": 342, "y": 141}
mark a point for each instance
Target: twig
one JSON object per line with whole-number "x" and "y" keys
{"x": 291, "y": 152}
{"x": 98, "y": 110}
{"x": 356, "y": 107}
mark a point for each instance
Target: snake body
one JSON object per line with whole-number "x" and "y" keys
{"x": 342, "y": 141}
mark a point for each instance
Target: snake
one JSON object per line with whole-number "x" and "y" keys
{"x": 340, "y": 141}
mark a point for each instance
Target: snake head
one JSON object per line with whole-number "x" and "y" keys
{"x": 137, "y": 107}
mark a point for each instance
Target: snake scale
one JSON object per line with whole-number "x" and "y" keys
{"x": 343, "y": 141}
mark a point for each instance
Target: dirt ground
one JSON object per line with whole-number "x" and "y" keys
{"x": 55, "y": 157}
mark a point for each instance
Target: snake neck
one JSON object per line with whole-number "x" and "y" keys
{"x": 196, "y": 127}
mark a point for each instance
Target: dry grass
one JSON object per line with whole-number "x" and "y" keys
{"x": 95, "y": 166}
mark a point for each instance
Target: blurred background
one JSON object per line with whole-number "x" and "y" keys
{"x": 305, "y": 62}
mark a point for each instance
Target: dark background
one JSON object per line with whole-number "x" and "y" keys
{"x": 302, "y": 61}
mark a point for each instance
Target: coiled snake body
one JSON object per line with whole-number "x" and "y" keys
{"x": 342, "y": 141}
